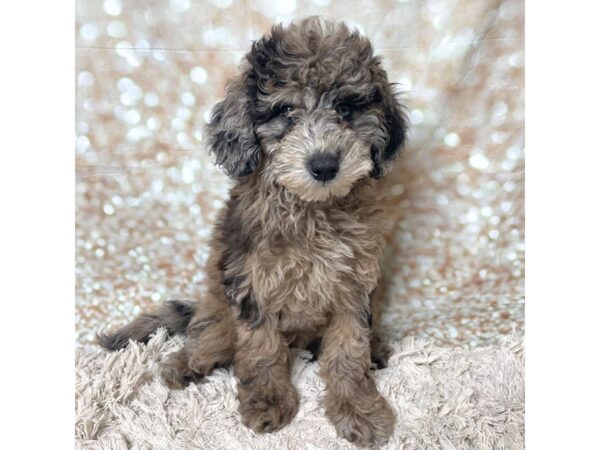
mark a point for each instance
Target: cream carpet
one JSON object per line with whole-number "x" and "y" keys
{"x": 445, "y": 398}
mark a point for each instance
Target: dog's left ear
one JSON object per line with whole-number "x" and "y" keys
{"x": 230, "y": 133}
{"x": 396, "y": 125}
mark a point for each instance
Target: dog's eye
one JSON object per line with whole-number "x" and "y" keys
{"x": 284, "y": 110}
{"x": 345, "y": 111}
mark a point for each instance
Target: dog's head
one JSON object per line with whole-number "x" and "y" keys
{"x": 312, "y": 111}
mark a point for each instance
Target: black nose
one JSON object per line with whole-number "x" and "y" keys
{"x": 324, "y": 167}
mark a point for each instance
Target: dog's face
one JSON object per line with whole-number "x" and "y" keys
{"x": 313, "y": 112}
{"x": 317, "y": 144}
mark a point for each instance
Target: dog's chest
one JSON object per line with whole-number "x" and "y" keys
{"x": 304, "y": 277}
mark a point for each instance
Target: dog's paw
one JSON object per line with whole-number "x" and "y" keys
{"x": 380, "y": 353}
{"x": 176, "y": 372}
{"x": 366, "y": 423}
{"x": 379, "y": 358}
{"x": 269, "y": 408}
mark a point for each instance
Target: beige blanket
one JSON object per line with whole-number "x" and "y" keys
{"x": 444, "y": 398}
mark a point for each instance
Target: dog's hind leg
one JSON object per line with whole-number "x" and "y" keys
{"x": 209, "y": 344}
{"x": 380, "y": 351}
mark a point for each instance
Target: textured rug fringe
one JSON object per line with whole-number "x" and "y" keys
{"x": 445, "y": 398}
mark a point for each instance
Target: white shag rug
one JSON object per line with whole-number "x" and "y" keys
{"x": 444, "y": 398}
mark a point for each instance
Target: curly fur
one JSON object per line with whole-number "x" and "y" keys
{"x": 295, "y": 259}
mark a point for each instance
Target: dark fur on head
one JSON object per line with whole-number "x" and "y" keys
{"x": 315, "y": 66}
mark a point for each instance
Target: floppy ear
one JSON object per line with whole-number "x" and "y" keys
{"x": 396, "y": 125}
{"x": 230, "y": 133}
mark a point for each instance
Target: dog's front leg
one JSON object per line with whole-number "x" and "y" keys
{"x": 268, "y": 400}
{"x": 352, "y": 402}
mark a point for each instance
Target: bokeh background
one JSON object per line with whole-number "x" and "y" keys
{"x": 147, "y": 75}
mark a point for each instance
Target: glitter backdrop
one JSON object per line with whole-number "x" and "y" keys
{"x": 147, "y": 74}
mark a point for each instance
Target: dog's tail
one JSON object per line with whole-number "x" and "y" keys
{"x": 173, "y": 315}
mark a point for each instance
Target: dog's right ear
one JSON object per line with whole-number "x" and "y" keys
{"x": 230, "y": 133}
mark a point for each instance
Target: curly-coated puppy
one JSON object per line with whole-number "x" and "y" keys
{"x": 306, "y": 131}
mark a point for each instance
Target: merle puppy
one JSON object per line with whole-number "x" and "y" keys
{"x": 306, "y": 131}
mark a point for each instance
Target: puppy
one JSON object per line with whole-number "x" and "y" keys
{"x": 306, "y": 131}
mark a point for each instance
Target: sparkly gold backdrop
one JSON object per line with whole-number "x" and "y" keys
{"x": 147, "y": 74}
